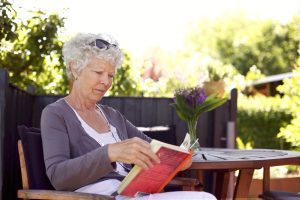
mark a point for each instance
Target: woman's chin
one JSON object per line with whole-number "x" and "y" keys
{"x": 98, "y": 94}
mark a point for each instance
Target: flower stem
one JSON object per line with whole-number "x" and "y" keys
{"x": 192, "y": 129}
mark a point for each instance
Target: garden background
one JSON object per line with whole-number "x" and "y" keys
{"x": 239, "y": 49}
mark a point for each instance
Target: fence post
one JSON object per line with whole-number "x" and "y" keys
{"x": 3, "y": 94}
{"x": 233, "y": 117}
{"x": 231, "y": 136}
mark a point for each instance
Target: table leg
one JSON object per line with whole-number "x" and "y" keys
{"x": 200, "y": 176}
{"x": 221, "y": 186}
{"x": 266, "y": 179}
{"x": 243, "y": 183}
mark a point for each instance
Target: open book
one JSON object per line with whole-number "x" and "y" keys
{"x": 153, "y": 180}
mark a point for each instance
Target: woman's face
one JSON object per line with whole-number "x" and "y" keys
{"x": 95, "y": 79}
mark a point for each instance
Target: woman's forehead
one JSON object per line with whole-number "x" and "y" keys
{"x": 100, "y": 63}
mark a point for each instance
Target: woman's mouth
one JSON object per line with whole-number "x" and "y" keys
{"x": 100, "y": 91}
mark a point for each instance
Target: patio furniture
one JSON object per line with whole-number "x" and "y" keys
{"x": 280, "y": 195}
{"x": 224, "y": 161}
{"x": 36, "y": 184}
{"x": 274, "y": 194}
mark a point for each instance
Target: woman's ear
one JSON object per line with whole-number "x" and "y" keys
{"x": 73, "y": 69}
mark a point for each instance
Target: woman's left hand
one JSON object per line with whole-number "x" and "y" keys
{"x": 187, "y": 165}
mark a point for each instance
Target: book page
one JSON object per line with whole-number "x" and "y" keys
{"x": 155, "y": 145}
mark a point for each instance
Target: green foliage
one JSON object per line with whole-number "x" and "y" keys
{"x": 213, "y": 73}
{"x": 35, "y": 57}
{"x": 217, "y": 70}
{"x": 254, "y": 74}
{"x": 259, "y": 121}
{"x": 8, "y": 25}
{"x": 242, "y": 42}
{"x": 291, "y": 90}
{"x": 125, "y": 82}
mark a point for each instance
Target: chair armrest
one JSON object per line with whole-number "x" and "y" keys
{"x": 60, "y": 195}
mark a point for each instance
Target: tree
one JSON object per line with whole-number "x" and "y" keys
{"x": 7, "y": 22}
{"x": 291, "y": 91}
{"x": 125, "y": 82}
{"x": 242, "y": 42}
{"x": 33, "y": 54}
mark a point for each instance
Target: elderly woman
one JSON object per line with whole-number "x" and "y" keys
{"x": 89, "y": 147}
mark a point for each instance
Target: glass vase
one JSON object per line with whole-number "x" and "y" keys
{"x": 195, "y": 145}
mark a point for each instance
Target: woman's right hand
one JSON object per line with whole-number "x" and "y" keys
{"x": 133, "y": 151}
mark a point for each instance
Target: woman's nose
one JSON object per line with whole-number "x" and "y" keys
{"x": 105, "y": 80}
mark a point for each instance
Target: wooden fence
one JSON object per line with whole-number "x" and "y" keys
{"x": 22, "y": 107}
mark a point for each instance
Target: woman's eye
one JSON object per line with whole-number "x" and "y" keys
{"x": 98, "y": 72}
{"x": 111, "y": 76}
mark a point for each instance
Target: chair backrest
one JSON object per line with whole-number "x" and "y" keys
{"x": 31, "y": 154}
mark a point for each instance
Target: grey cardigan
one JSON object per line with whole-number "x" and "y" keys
{"x": 73, "y": 159}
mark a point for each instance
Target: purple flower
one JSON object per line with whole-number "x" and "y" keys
{"x": 192, "y": 96}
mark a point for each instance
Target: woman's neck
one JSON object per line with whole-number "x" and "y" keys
{"x": 78, "y": 102}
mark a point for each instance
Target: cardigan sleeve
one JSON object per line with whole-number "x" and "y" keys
{"x": 64, "y": 172}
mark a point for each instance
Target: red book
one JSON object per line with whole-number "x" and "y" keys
{"x": 153, "y": 180}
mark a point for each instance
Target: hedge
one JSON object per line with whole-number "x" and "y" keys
{"x": 259, "y": 121}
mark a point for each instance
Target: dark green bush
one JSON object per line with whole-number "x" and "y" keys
{"x": 259, "y": 121}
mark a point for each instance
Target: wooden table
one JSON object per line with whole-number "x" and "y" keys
{"x": 224, "y": 161}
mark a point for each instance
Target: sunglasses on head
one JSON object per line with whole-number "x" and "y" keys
{"x": 102, "y": 44}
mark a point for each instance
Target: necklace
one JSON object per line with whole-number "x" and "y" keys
{"x": 100, "y": 112}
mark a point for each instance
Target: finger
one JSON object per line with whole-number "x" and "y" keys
{"x": 132, "y": 154}
{"x": 141, "y": 164}
{"x": 139, "y": 152}
{"x": 131, "y": 149}
{"x": 145, "y": 148}
{"x": 143, "y": 161}
{"x": 150, "y": 154}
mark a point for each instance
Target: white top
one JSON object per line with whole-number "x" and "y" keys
{"x": 109, "y": 186}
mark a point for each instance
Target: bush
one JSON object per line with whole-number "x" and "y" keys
{"x": 259, "y": 121}
{"x": 291, "y": 90}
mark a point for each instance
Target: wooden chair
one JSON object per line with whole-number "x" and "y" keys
{"x": 280, "y": 195}
{"x": 274, "y": 194}
{"x": 36, "y": 184}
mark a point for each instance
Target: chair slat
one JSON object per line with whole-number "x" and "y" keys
{"x": 23, "y": 166}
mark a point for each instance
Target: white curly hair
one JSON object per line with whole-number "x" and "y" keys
{"x": 79, "y": 50}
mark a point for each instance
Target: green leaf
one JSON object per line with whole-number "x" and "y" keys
{"x": 181, "y": 115}
{"x": 184, "y": 107}
{"x": 210, "y": 105}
